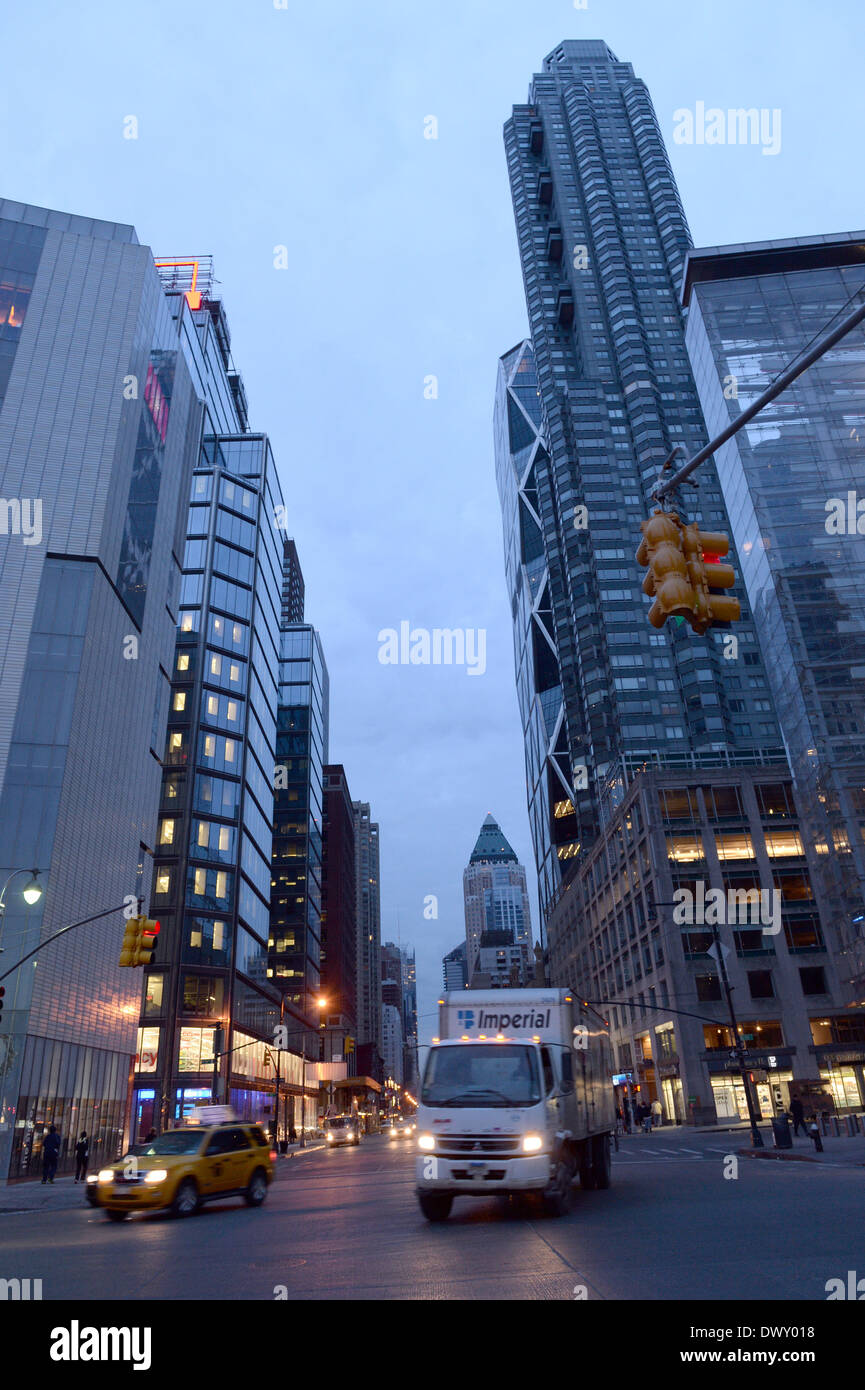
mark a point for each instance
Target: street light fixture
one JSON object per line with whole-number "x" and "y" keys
{"x": 31, "y": 892}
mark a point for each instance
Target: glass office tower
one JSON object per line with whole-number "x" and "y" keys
{"x": 100, "y": 417}
{"x": 302, "y": 740}
{"x": 602, "y": 241}
{"x": 788, "y": 479}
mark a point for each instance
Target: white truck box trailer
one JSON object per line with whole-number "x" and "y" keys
{"x": 516, "y": 1097}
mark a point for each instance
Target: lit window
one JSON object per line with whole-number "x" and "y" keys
{"x": 216, "y": 665}
{"x": 203, "y": 834}
{"x": 195, "y": 937}
{"x": 218, "y": 935}
{"x": 166, "y": 832}
{"x": 234, "y": 673}
{"x": 180, "y": 700}
{"x": 209, "y": 745}
{"x": 213, "y": 704}
{"x": 175, "y": 740}
{"x": 183, "y": 661}
{"x": 224, "y": 837}
{"x": 231, "y": 714}
{"x": 217, "y": 626}
{"x": 237, "y": 634}
{"x": 199, "y": 881}
{"x": 229, "y": 750}
{"x": 221, "y": 884}
{"x": 186, "y": 623}
{"x": 163, "y": 881}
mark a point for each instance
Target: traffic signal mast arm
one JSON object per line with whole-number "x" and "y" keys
{"x": 62, "y": 932}
{"x": 783, "y": 381}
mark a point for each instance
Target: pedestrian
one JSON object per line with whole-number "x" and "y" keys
{"x": 626, "y": 1117}
{"x": 647, "y": 1119}
{"x": 657, "y": 1112}
{"x": 50, "y": 1152}
{"x": 151, "y": 1135}
{"x": 638, "y": 1114}
{"x": 797, "y": 1111}
{"x": 82, "y": 1153}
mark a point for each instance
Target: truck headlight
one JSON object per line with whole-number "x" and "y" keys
{"x": 532, "y": 1143}
{"x": 426, "y": 1142}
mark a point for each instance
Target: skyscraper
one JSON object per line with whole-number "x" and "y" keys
{"x": 454, "y": 968}
{"x": 788, "y": 480}
{"x": 495, "y": 895}
{"x": 602, "y": 242}
{"x": 369, "y": 1036}
{"x": 338, "y": 916}
{"x": 100, "y": 426}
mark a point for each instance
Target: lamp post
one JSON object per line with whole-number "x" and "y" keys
{"x": 31, "y": 893}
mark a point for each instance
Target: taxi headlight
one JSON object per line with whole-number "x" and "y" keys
{"x": 532, "y": 1143}
{"x": 330, "y": 1138}
{"x": 426, "y": 1142}
{"x": 156, "y": 1175}
{"x": 92, "y": 1177}
{"x": 106, "y": 1175}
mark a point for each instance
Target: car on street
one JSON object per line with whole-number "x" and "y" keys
{"x": 182, "y": 1168}
{"x": 401, "y": 1129}
{"x": 344, "y": 1129}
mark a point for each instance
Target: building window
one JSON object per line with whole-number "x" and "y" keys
{"x": 760, "y": 984}
{"x": 813, "y": 979}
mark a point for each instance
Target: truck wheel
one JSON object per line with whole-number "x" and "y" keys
{"x": 436, "y": 1206}
{"x": 601, "y": 1161}
{"x": 558, "y": 1197}
{"x": 588, "y": 1180}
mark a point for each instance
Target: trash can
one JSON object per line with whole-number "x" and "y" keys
{"x": 781, "y": 1135}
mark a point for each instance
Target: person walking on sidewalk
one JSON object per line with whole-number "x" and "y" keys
{"x": 50, "y": 1154}
{"x": 82, "y": 1153}
{"x": 647, "y": 1119}
{"x": 797, "y": 1110}
{"x": 657, "y": 1112}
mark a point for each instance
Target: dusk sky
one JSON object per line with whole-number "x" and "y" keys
{"x": 303, "y": 127}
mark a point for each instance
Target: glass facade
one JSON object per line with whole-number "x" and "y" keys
{"x": 212, "y": 874}
{"x": 20, "y": 252}
{"x": 788, "y": 479}
{"x": 602, "y": 240}
{"x": 301, "y": 753}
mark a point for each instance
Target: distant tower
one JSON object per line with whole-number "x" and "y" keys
{"x": 495, "y": 893}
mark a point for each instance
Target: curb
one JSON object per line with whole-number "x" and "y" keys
{"x": 773, "y": 1153}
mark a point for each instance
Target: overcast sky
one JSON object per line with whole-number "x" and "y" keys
{"x": 303, "y": 127}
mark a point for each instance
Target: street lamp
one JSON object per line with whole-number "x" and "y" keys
{"x": 31, "y": 892}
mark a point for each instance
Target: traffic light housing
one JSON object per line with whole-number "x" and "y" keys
{"x": 139, "y": 941}
{"x": 349, "y": 1045}
{"x": 703, "y": 550}
{"x": 662, "y": 551}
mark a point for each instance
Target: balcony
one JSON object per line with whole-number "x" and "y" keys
{"x": 555, "y": 244}
{"x": 545, "y": 189}
{"x": 565, "y": 308}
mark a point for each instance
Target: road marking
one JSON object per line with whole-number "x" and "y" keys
{"x": 698, "y": 1152}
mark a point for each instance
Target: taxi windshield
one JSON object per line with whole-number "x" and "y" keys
{"x": 175, "y": 1141}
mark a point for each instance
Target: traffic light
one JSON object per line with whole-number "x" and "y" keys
{"x": 349, "y": 1045}
{"x": 147, "y": 945}
{"x": 704, "y": 550}
{"x": 139, "y": 941}
{"x": 662, "y": 550}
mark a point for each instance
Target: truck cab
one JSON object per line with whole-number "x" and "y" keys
{"x": 518, "y": 1102}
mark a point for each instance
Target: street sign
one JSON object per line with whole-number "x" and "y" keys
{"x": 713, "y": 952}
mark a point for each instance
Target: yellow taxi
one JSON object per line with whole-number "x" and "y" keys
{"x": 182, "y": 1168}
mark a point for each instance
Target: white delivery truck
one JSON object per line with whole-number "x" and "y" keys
{"x": 516, "y": 1097}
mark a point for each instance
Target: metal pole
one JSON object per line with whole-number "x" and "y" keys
{"x": 784, "y": 380}
{"x": 303, "y": 1093}
{"x": 756, "y": 1136}
{"x": 84, "y": 920}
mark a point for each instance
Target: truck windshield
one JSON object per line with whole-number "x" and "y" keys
{"x": 482, "y": 1075}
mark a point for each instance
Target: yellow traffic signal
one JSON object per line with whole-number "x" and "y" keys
{"x": 139, "y": 941}
{"x": 662, "y": 551}
{"x": 704, "y": 550}
{"x": 349, "y": 1045}
{"x": 131, "y": 939}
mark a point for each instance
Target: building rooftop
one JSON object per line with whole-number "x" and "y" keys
{"x": 491, "y": 846}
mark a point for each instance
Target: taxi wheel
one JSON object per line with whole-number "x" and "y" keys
{"x": 257, "y": 1189}
{"x": 116, "y": 1215}
{"x": 186, "y": 1199}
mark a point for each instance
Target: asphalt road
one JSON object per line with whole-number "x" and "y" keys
{"x": 345, "y": 1225}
